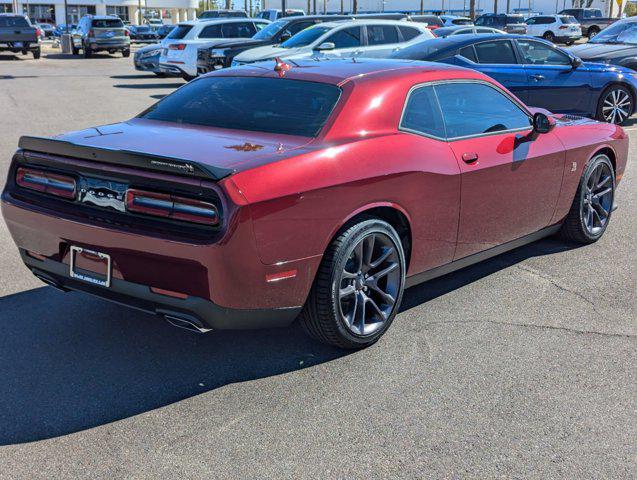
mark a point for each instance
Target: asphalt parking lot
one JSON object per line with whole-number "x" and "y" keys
{"x": 520, "y": 367}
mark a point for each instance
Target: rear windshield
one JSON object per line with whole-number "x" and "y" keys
{"x": 108, "y": 23}
{"x": 568, "y": 19}
{"x": 13, "y": 22}
{"x": 179, "y": 32}
{"x": 271, "y": 105}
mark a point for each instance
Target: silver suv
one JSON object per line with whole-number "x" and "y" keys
{"x": 101, "y": 33}
{"x": 346, "y": 38}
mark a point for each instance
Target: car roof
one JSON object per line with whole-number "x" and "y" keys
{"x": 209, "y": 21}
{"x": 341, "y": 71}
{"x": 366, "y": 21}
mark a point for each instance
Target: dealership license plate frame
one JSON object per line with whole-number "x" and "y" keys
{"x": 88, "y": 278}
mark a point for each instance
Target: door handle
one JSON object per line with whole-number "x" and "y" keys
{"x": 469, "y": 157}
{"x": 537, "y": 78}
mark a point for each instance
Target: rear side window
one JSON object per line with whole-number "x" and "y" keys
{"x": 381, "y": 34}
{"x": 108, "y": 23}
{"x": 408, "y": 33}
{"x": 179, "y": 32}
{"x": 536, "y": 53}
{"x": 464, "y": 116}
{"x": 469, "y": 53}
{"x": 250, "y": 103}
{"x": 422, "y": 113}
{"x": 499, "y": 52}
{"x": 568, "y": 19}
{"x": 346, "y": 38}
{"x": 13, "y": 22}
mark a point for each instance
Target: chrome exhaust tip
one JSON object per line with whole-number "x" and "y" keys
{"x": 187, "y": 323}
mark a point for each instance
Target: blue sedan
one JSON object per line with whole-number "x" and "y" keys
{"x": 539, "y": 73}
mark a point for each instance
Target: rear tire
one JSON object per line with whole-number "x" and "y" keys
{"x": 87, "y": 52}
{"x": 36, "y": 53}
{"x": 592, "y": 32}
{"x": 592, "y": 206}
{"x": 358, "y": 287}
{"x": 125, "y": 53}
{"x": 187, "y": 77}
{"x": 549, "y": 37}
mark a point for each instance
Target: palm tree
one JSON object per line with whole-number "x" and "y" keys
{"x": 472, "y": 9}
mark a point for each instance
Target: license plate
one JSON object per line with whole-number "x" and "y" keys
{"x": 18, "y": 44}
{"x": 97, "y": 260}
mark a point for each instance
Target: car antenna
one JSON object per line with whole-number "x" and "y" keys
{"x": 281, "y": 67}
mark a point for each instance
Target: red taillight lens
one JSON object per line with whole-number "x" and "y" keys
{"x": 47, "y": 182}
{"x": 38, "y": 32}
{"x": 177, "y": 46}
{"x": 127, "y": 33}
{"x": 171, "y": 206}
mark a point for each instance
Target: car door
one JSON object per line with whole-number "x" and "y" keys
{"x": 554, "y": 83}
{"x": 510, "y": 178}
{"x": 499, "y": 60}
{"x": 347, "y": 43}
{"x": 382, "y": 41}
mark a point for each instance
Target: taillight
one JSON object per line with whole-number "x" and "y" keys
{"x": 91, "y": 33}
{"x": 46, "y": 182}
{"x": 563, "y": 27}
{"x": 38, "y": 32}
{"x": 177, "y": 46}
{"x": 126, "y": 33}
{"x": 171, "y": 206}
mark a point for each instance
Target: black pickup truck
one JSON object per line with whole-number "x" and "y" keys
{"x": 17, "y": 35}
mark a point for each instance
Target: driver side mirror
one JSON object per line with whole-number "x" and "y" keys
{"x": 542, "y": 123}
{"x": 326, "y": 46}
{"x": 576, "y": 62}
{"x": 285, "y": 36}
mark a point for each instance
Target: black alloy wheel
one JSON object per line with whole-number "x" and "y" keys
{"x": 358, "y": 287}
{"x": 592, "y": 207}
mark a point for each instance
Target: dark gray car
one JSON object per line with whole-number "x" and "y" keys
{"x": 616, "y": 45}
{"x": 101, "y": 33}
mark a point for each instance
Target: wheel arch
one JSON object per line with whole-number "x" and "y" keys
{"x": 390, "y": 212}
{"x": 609, "y": 152}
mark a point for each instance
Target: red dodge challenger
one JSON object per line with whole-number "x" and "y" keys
{"x": 319, "y": 190}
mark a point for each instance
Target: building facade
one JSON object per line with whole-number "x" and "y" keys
{"x": 52, "y": 11}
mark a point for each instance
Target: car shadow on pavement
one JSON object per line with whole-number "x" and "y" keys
{"x": 70, "y": 362}
{"x": 427, "y": 291}
{"x": 70, "y": 56}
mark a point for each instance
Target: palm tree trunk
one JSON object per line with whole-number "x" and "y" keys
{"x": 472, "y": 9}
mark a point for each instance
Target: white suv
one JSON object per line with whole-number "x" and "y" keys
{"x": 555, "y": 28}
{"x": 179, "y": 49}
{"x": 346, "y": 38}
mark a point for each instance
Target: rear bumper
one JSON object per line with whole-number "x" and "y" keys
{"x": 97, "y": 45}
{"x": 198, "y": 311}
{"x": 568, "y": 38}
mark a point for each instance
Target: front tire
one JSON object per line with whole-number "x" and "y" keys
{"x": 358, "y": 287}
{"x": 87, "y": 52}
{"x": 592, "y": 32}
{"x": 592, "y": 207}
{"x": 125, "y": 53}
{"x": 36, "y": 54}
{"x": 549, "y": 37}
{"x": 615, "y": 104}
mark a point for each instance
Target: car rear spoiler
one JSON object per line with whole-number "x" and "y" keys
{"x": 146, "y": 161}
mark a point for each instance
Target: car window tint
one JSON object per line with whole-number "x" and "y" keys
{"x": 298, "y": 26}
{"x": 108, "y": 23}
{"x": 464, "y": 116}
{"x": 179, "y": 32}
{"x": 306, "y": 37}
{"x": 381, "y": 34}
{"x": 13, "y": 22}
{"x": 536, "y": 53}
{"x": 468, "y": 53}
{"x": 408, "y": 33}
{"x": 500, "y": 52}
{"x": 250, "y": 103}
{"x": 238, "y": 30}
{"x": 422, "y": 113}
{"x": 346, "y": 38}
